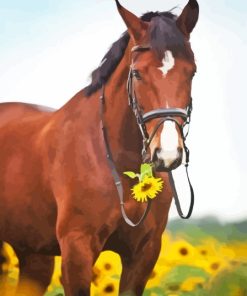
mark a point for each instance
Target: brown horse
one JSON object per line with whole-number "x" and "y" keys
{"x": 57, "y": 191}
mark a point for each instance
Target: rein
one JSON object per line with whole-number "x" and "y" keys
{"x": 116, "y": 177}
{"x": 166, "y": 114}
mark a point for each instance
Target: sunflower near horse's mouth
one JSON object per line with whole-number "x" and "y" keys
{"x": 148, "y": 186}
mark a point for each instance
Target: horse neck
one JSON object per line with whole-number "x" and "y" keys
{"x": 123, "y": 133}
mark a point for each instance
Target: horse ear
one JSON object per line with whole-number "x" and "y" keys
{"x": 188, "y": 18}
{"x": 136, "y": 27}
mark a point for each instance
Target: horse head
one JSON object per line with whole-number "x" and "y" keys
{"x": 162, "y": 67}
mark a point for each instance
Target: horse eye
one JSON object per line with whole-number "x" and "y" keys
{"x": 136, "y": 74}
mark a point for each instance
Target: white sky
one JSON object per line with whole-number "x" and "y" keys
{"x": 49, "y": 49}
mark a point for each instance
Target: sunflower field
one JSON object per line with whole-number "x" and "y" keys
{"x": 198, "y": 258}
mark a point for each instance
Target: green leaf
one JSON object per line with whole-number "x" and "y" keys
{"x": 146, "y": 170}
{"x": 132, "y": 175}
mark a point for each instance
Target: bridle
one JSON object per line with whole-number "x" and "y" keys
{"x": 165, "y": 114}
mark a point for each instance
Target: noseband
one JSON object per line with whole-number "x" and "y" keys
{"x": 165, "y": 114}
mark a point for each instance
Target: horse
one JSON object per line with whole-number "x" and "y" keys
{"x": 58, "y": 195}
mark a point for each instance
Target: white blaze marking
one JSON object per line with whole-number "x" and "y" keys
{"x": 169, "y": 143}
{"x": 168, "y": 62}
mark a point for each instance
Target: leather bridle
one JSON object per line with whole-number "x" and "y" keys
{"x": 165, "y": 114}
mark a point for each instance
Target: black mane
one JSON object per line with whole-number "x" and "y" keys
{"x": 164, "y": 34}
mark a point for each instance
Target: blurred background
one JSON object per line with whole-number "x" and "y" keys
{"x": 48, "y": 50}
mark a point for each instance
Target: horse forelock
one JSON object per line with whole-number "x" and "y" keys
{"x": 164, "y": 35}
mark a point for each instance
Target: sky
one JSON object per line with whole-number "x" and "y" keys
{"x": 49, "y": 48}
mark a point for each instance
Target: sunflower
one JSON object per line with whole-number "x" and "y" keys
{"x": 240, "y": 250}
{"x": 215, "y": 265}
{"x": 108, "y": 263}
{"x": 11, "y": 264}
{"x": 109, "y": 286}
{"x": 149, "y": 187}
{"x": 156, "y": 276}
{"x": 179, "y": 252}
{"x": 57, "y": 274}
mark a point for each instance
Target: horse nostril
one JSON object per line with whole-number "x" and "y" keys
{"x": 178, "y": 160}
{"x": 155, "y": 154}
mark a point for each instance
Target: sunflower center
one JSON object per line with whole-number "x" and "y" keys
{"x": 183, "y": 251}
{"x": 145, "y": 187}
{"x": 215, "y": 266}
{"x": 109, "y": 288}
{"x": 107, "y": 266}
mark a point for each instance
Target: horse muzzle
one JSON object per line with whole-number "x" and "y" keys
{"x": 166, "y": 161}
